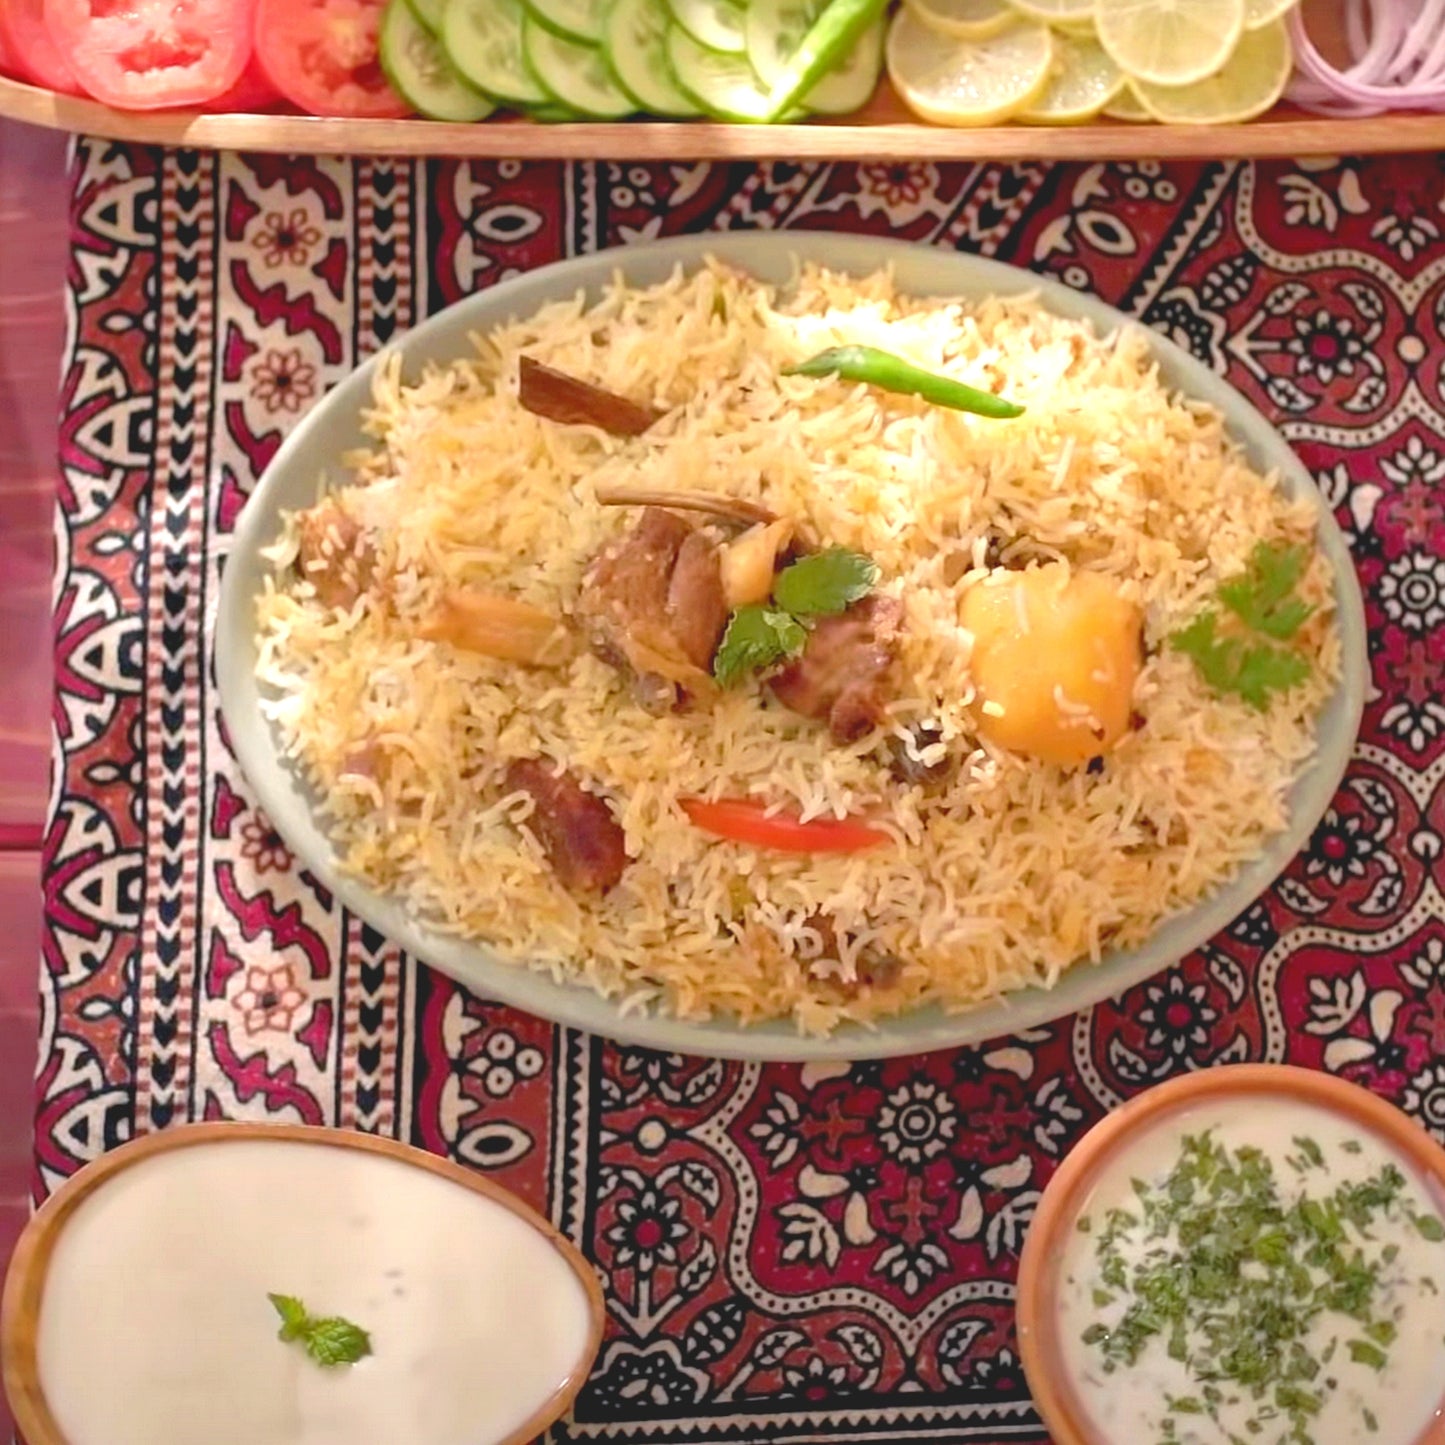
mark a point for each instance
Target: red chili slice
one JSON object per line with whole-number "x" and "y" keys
{"x": 743, "y": 821}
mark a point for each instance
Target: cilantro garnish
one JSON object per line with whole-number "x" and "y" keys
{"x": 1251, "y": 660}
{"x": 329, "y": 1340}
{"x": 755, "y": 637}
{"x": 821, "y": 585}
{"x": 1262, "y": 599}
{"x": 1231, "y": 1270}
{"x": 825, "y": 583}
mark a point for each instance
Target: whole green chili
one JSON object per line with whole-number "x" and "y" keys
{"x": 892, "y": 373}
{"x": 829, "y": 42}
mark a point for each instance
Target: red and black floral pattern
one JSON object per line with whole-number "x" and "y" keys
{"x": 790, "y": 1253}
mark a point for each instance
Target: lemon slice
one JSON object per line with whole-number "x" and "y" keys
{"x": 967, "y": 82}
{"x": 1083, "y": 82}
{"x": 1051, "y": 12}
{"x": 965, "y": 19}
{"x": 1261, "y": 12}
{"x": 1252, "y": 80}
{"x": 1126, "y": 105}
{"x": 1169, "y": 42}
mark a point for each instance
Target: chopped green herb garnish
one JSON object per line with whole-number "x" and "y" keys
{"x": 1262, "y": 599}
{"x": 1249, "y": 659}
{"x": 1229, "y": 1268}
{"x": 825, "y": 583}
{"x": 1371, "y": 1423}
{"x": 756, "y": 637}
{"x": 329, "y": 1340}
{"x": 820, "y": 585}
{"x": 1364, "y": 1353}
{"x": 1231, "y": 665}
{"x": 1351, "y": 1146}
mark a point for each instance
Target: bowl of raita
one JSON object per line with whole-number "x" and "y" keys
{"x": 1255, "y": 1252}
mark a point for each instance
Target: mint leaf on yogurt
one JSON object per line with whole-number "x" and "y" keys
{"x": 329, "y": 1340}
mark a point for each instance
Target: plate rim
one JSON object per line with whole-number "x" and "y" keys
{"x": 576, "y": 1005}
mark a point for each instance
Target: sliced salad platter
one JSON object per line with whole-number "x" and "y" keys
{"x": 717, "y": 79}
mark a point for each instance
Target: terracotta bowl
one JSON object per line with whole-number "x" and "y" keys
{"x": 1040, "y": 1347}
{"x": 25, "y": 1283}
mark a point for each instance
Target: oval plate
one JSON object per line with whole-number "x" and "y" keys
{"x": 333, "y": 427}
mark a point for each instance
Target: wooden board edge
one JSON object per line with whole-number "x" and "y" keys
{"x": 1281, "y": 134}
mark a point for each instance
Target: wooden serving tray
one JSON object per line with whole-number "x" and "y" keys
{"x": 884, "y": 130}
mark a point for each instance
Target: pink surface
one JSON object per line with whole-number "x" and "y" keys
{"x": 32, "y": 244}
{"x": 32, "y": 331}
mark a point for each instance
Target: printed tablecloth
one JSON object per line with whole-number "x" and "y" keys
{"x": 790, "y": 1253}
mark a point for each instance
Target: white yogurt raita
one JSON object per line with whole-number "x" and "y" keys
{"x": 1379, "y": 1372}
{"x": 155, "y": 1323}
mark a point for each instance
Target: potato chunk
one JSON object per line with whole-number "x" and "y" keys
{"x": 1056, "y": 654}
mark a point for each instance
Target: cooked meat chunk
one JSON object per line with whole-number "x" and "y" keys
{"x": 334, "y": 555}
{"x": 653, "y": 601}
{"x": 574, "y": 402}
{"x": 576, "y": 829}
{"x": 907, "y": 768}
{"x": 842, "y": 675}
{"x": 697, "y": 611}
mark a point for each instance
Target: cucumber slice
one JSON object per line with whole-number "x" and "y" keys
{"x": 419, "y": 71}
{"x": 775, "y": 29}
{"x": 429, "y": 12}
{"x": 571, "y": 19}
{"x": 717, "y": 24}
{"x": 484, "y": 40}
{"x": 634, "y": 44}
{"x": 554, "y": 114}
{"x": 722, "y": 85}
{"x": 573, "y": 74}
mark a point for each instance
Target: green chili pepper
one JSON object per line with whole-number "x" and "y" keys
{"x": 891, "y": 373}
{"x": 829, "y": 41}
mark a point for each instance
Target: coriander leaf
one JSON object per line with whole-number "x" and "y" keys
{"x": 755, "y": 637}
{"x": 336, "y": 1341}
{"x": 825, "y": 583}
{"x": 1364, "y": 1353}
{"x": 293, "y": 1316}
{"x": 1261, "y": 598}
{"x": 1430, "y": 1227}
{"x": 1228, "y": 665}
{"x": 1213, "y": 655}
{"x": 1263, "y": 670}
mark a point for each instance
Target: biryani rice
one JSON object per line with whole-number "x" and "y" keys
{"x": 1011, "y": 873}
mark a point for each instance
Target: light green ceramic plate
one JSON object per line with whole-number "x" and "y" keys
{"x": 332, "y": 428}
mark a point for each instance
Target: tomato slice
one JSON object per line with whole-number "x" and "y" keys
{"x": 322, "y": 56}
{"x": 744, "y": 821}
{"x": 252, "y": 92}
{"x": 29, "y": 52}
{"x": 150, "y": 54}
